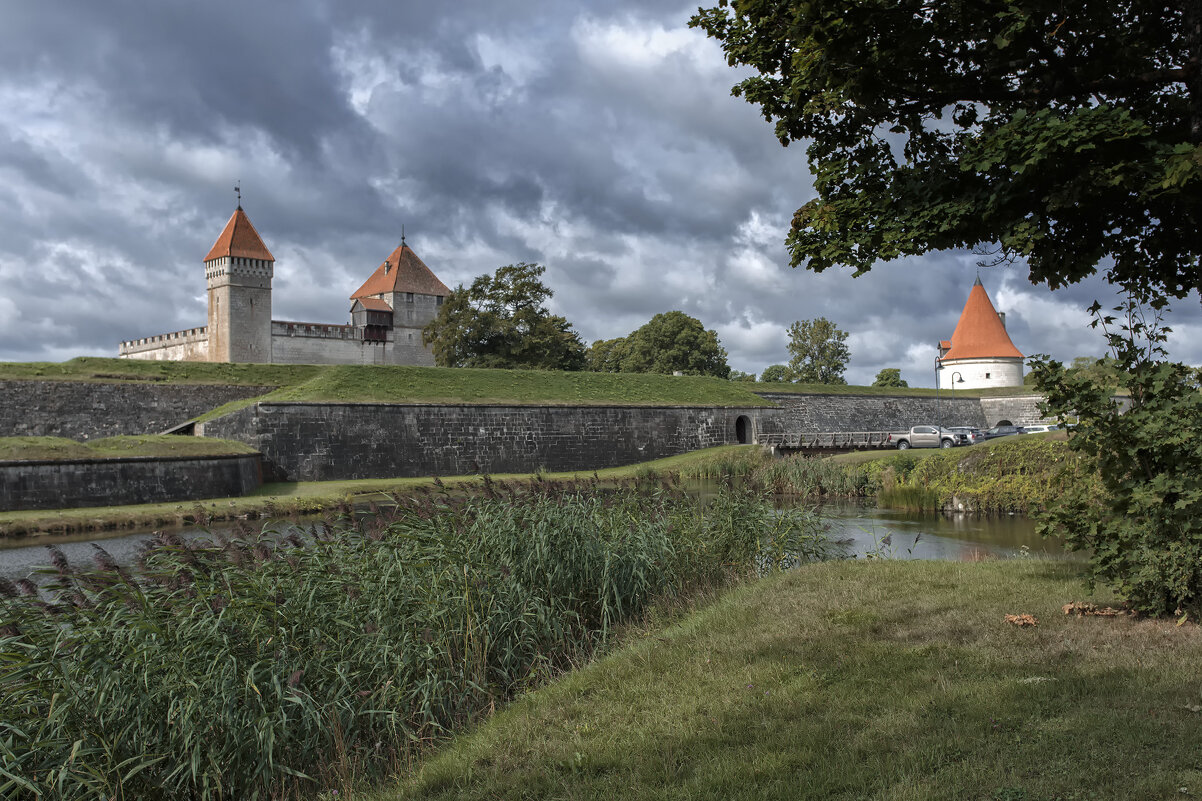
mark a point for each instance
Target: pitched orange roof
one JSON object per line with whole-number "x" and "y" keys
{"x": 403, "y": 271}
{"x": 980, "y": 333}
{"x": 239, "y": 239}
{"x": 372, "y": 304}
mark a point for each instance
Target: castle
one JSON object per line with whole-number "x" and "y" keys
{"x": 980, "y": 353}
{"x": 387, "y": 314}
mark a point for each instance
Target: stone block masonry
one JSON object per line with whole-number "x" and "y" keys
{"x": 115, "y": 482}
{"x": 90, "y": 410}
{"x": 834, "y": 412}
{"x": 321, "y": 442}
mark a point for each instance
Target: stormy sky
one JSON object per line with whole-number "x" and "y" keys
{"x": 598, "y": 138}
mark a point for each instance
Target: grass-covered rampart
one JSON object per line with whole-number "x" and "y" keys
{"x": 264, "y": 667}
{"x": 1009, "y": 474}
{"x": 60, "y": 449}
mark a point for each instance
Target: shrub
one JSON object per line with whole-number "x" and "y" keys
{"x": 1142, "y": 526}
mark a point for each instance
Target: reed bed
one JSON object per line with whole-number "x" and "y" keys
{"x": 281, "y": 663}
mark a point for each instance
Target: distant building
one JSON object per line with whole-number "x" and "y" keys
{"x": 387, "y": 315}
{"x": 980, "y": 353}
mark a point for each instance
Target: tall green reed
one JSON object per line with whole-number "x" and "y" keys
{"x": 263, "y": 665}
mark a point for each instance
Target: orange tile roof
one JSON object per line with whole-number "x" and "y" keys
{"x": 239, "y": 239}
{"x": 980, "y": 333}
{"x": 373, "y": 304}
{"x": 403, "y": 271}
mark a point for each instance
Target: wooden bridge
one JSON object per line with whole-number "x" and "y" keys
{"x": 825, "y": 442}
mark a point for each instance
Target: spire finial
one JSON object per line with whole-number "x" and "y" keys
{"x": 402, "y": 235}
{"x": 238, "y": 193}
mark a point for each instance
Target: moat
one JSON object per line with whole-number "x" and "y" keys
{"x": 862, "y": 531}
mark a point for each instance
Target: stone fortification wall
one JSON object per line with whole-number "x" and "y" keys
{"x": 191, "y": 345}
{"x": 89, "y": 410}
{"x": 317, "y": 442}
{"x": 315, "y": 343}
{"x": 114, "y": 482}
{"x": 820, "y": 413}
{"x": 1019, "y": 411}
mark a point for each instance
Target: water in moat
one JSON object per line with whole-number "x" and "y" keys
{"x": 862, "y": 531}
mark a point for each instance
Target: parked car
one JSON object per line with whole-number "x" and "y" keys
{"x": 1003, "y": 431}
{"x": 1041, "y": 429}
{"x": 974, "y": 435}
{"x": 926, "y": 437}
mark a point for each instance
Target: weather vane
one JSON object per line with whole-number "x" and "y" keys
{"x": 238, "y": 192}
{"x": 402, "y": 235}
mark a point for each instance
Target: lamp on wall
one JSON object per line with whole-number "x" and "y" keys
{"x": 956, "y": 379}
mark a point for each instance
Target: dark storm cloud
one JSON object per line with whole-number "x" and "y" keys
{"x": 597, "y": 138}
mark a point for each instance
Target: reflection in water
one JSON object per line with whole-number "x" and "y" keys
{"x": 869, "y": 531}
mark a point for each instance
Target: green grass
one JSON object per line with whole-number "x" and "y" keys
{"x": 885, "y": 681}
{"x": 92, "y": 368}
{"x": 467, "y": 385}
{"x": 59, "y": 449}
{"x": 306, "y": 497}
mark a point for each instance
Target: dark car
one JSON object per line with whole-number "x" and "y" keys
{"x": 1003, "y": 431}
{"x": 973, "y": 435}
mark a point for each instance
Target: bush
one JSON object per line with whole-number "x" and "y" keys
{"x": 1142, "y": 525}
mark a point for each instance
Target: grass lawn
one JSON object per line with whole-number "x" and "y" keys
{"x": 60, "y": 449}
{"x": 304, "y": 497}
{"x": 860, "y": 680}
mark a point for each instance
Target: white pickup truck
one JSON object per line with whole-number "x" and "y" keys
{"x": 926, "y": 437}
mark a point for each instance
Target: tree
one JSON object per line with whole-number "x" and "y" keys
{"x": 667, "y": 343}
{"x": 889, "y": 377}
{"x": 819, "y": 353}
{"x": 500, "y": 321}
{"x": 1067, "y": 136}
{"x": 775, "y": 374}
{"x": 607, "y": 355}
{"x": 1140, "y": 522}
{"x": 739, "y": 375}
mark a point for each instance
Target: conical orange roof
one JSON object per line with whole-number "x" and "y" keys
{"x": 239, "y": 239}
{"x": 403, "y": 271}
{"x": 980, "y": 333}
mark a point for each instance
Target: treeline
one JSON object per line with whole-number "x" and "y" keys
{"x": 501, "y": 321}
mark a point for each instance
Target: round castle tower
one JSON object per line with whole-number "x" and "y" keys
{"x": 980, "y": 353}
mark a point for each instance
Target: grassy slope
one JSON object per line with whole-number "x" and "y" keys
{"x": 302, "y": 497}
{"x": 61, "y": 449}
{"x": 91, "y": 368}
{"x": 858, "y": 680}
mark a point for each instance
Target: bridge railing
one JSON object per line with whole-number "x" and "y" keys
{"x": 827, "y": 440}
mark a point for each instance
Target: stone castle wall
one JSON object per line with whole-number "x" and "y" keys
{"x": 821, "y": 413}
{"x": 1019, "y": 411}
{"x": 319, "y": 442}
{"x": 316, "y": 343}
{"x": 190, "y": 345}
{"x": 89, "y": 410}
{"x": 115, "y": 482}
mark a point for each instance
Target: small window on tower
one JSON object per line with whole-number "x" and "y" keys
{"x": 987, "y": 375}
{"x": 409, "y": 297}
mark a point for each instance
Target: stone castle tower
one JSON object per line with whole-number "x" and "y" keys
{"x": 239, "y": 269}
{"x": 387, "y": 315}
{"x": 980, "y": 353}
